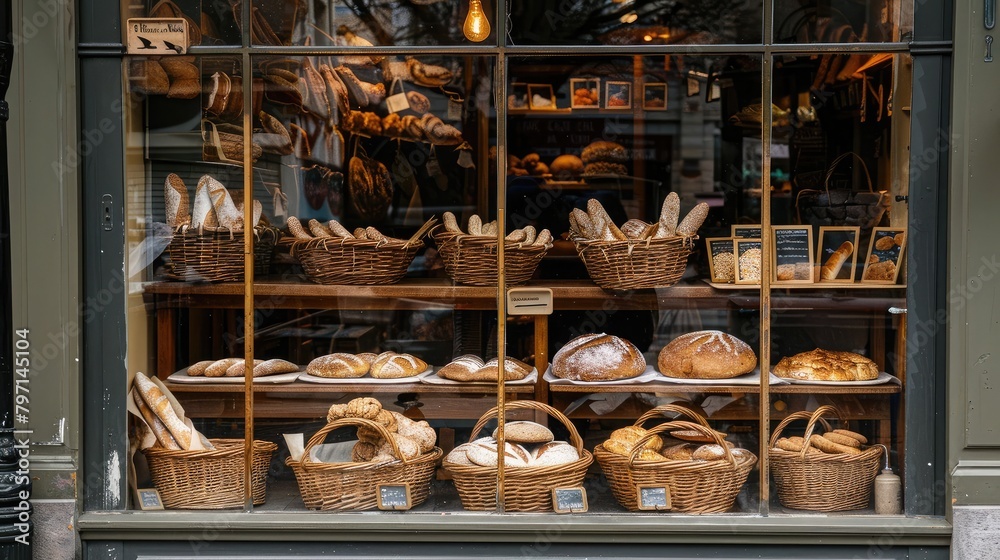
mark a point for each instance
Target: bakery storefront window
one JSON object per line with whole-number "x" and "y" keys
{"x": 700, "y": 243}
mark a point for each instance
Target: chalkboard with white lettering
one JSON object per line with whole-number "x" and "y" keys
{"x": 569, "y": 500}
{"x": 394, "y": 496}
{"x": 653, "y": 497}
{"x": 148, "y": 499}
{"x": 747, "y": 231}
{"x": 793, "y": 253}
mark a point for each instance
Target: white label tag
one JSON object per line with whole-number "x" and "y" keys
{"x": 454, "y": 111}
{"x": 157, "y": 36}
{"x": 397, "y": 103}
{"x": 433, "y": 167}
{"x": 529, "y": 301}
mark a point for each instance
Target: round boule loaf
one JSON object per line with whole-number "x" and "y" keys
{"x": 483, "y": 452}
{"x": 598, "y": 357}
{"x": 630, "y": 435}
{"x": 604, "y": 150}
{"x": 524, "y": 431}
{"x": 339, "y": 366}
{"x": 554, "y": 453}
{"x": 706, "y": 355}
{"x": 389, "y": 365}
{"x": 566, "y": 167}
{"x": 458, "y": 456}
{"x": 710, "y": 452}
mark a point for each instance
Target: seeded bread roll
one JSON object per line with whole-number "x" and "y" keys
{"x": 706, "y": 355}
{"x": 390, "y": 365}
{"x": 598, "y": 357}
{"x": 198, "y": 369}
{"x": 524, "y": 431}
{"x": 338, "y": 366}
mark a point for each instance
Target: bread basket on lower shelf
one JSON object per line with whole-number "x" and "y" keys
{"x": 217, "y": 256}
{"x": 209, "y": 479}
{"x": 354, "y": 486}
{"x": 525, "y": 488}
{"x": 635, "y": 263}
{"x": 822, "y": 481}
{"x": 334, "y": 260}
{"x": 472, "y": 259}
{"x": 694, "y": 486}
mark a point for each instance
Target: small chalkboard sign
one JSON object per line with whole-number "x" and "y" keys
{"x": 747, "y": 231}
{"x": 885, "y": 255}
{"x": 653, "y": 498}
{"x": 569, "y": 500}
{"x": 393, "y": 496}
{"x": 749, "y": 256}
{"x": 721, "y": 260}
{"x": 837, "y": 253}
{"x": 148, "y": 499}
{"x": 792, "y": 253}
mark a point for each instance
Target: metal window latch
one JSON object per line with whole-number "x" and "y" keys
{"x": 897, "y": 310}
{"x": 989, "y": 49}
{"x": 989, "y": 13}
{"x": 902, "y": 198}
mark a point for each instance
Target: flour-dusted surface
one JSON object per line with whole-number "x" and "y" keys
{"x": 598, "y": 357}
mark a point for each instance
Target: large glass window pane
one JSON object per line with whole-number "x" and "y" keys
{"x": 842, "y": 21}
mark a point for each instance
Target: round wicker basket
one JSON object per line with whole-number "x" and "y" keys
{"x": 335, "y": 260}
{"x": 217, "y": 256}
{"x": 635, "y": 264}
{"x": 473, "y": 259}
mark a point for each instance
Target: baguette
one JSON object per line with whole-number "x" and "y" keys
{"x": 375, "y": 235}
{"x": 225, "y": 209}
{"x": 237, "y": 369}
{"x": 585, "y": 224}
{"x": 295, "y": 228}
{"x": 669, "y": 214}
{"x": 202, "y": 205}
{"x": 318, "y": 229}
{"x": 831, "y": 268}
{"x": 175, "y": 194}
{"x": 160, "y": 406}
{"x": 475, "y": 226}
{"x": 604, "y": 226}
{"x": 338, "y": 230}
{"x": 690, "y": 224}
{"x": 160, "y": 431}
{"x": 544, "y": 238}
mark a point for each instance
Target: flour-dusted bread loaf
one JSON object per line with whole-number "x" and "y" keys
{"x": 630, "y": 436}
{"x": 458, "y": 455}
{"x": 175, "y": 195}
{"x": 669, "y": 214}
{"x": 694, "y": 219}
{"x": 160, "y": 405}
{"x": 390, "y": 365}
{"x": 225, "y": 209}
{"x": 238, "y": 369}
{"x": 220, "y": 367}
{"x": 598, "y": 357}
{"x": 483, "y": 452}
{"x": 462, "y": 368}
{"x": 524, "y": 431}
{"x": 274, "y": 367}
{"x": 514, "y": 370}
{"x": 706, "y": 355}
{"x": 339, "y": 365}
{"x": 827, "y": 365}
{"x": 554, "y": 453}
{"x": 201, "y": 208}
{"x": 198, "y": 369}
{"x": 159, "y": 430}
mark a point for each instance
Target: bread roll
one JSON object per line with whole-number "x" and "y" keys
{"x": 318, "y": 230}
{"x": 420, "y": 432}
{"x": 706, "y": 355}
{"x": 514, "y": 370}
{"x": 604, "y": 151}
{"x": 390, "y": 365}
{"x": 363, "y": 407}
{"x": 198, "y": 369}
{"x": 160, "y": 405}
{"x": 566, "y": 167}
{"x": 274, "y": 367}
{"x": 523, "y": 431}
{"x": 598, "y": 357}
{"x": 585, "y": 225}
{"x": 338, "y": 366}
{"x": 237, "y": 369}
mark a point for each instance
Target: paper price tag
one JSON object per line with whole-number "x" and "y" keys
{"x": 396, "y": 103}
{"x": 454, "y": 110}
{"x": 157, "y": 36}
{"x": 529, "y": 301}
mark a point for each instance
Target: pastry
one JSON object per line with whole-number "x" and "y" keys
{"x": 831, "y": 268}
{"x": 598, "y": 357}
{"x": 706, "y": 355}
{"x": 338, "y": 366}
{"x": 827, "y": 365}
{"x": 390, "y": 365}
{"x": 669, "y": 214}
{"x": 523, "y": 431}
{"x": 554, "y": 453}
{"x": 160, "y": 405}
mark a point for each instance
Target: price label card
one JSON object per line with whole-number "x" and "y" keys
{"x": 529, "y": 301}
{"x": 454, "y": 110}
{"x": 653, "y": 498}
{"x": 746, "y": 231}
{"x": 148, "y": 499}
{"x": 569, "y": 500}
{"x": 393, "y": 496}
{"x": 397, "y": 103}
{"x": 157, "y": 36}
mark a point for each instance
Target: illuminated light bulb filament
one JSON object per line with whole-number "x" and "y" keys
{"x": 477, "y": 27}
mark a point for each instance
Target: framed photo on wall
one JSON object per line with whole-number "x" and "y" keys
{"x": 654, "y": 96}
{"x": 885, "y": 254}
{"x": 617, "y": 95}
{"x": 837, "y": 253}
{"x": 792, "y": 250}
{"x": 540, "y": 96}
{"x": 586, "y": 93}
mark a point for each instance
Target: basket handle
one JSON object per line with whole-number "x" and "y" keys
{"x": 574, "y": 436}
{"x": 836, "y": 162}
{"x": 681, "y": 425}
{"x": 320, "y": 436}
{"x": 813, "y": 417}
{"x": 662, "y": 410}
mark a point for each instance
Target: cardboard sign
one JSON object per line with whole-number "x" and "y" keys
{"x": 653, "y": 498}
{"x": 157, "y": 36}
{"x": 569, "y": 500}
{"x": 752, "y": 231}
{"x": 393, "y": 496}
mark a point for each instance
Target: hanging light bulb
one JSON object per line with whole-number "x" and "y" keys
{"x": 477, "y": 27}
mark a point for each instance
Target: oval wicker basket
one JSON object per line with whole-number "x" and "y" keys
{"x": 209, "y": 479}
{"x": 635, "y": 264}
{"x": 473, "y": 259}
{"x": 695, "y": 486}
{"x": 525, "y": 488}
{"x": 217, "y": 256}
{"x": 335, "y": 260}
{"x": 354, "y": 486}
{"x": 822, "y": 481}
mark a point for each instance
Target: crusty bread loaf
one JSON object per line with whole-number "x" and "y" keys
{"x": 598, "y": 357}
{"x": 363, "y": 407}
{"x": 827, "y": 365}
{"x": 706, "y": 355}
{"x": 274, "y": 367}
{"x": 175, "y": 195}
{"x": 338, "y": 366}
{"x": 461, "y": 368}
{"x": 604, "y": 228}
{"x": 407, "y": 447}
{"x": 317, "y": 229}
{"x": 458, "y": 455}
{"x": 514, "y": 370}
{"x": 225, "y": 209}
{"x": 161, "y": 406}
{"x": 669, "y": 214}
{"x": 554, "y": 453}
{"x": 198, "y": 369}
{"x": 710, "y": 452}
{"x": 390, "y": 365}
{"x": 483, "y": 452}
{"x": 583, "y": 223}
{"x": 159, "y": 430}
{"x": 694, "y": 219}
{"x": 238, "y": 369}
{"x": 202, "y": 207}
{"x": 524, "y": 431}
{"x": 679, "y": 452}
{"x": 220, "y": 367}
{"x": 630, "y": 436}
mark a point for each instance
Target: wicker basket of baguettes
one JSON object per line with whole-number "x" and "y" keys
{"x": 471, "y": 257}
{"x": 330, "y": 254}
{"x": 830, "y": 471}
{"x": 207, "y": 244}
{"x": 638, "y": 254}
{"x": 534, "y": 464}
{"x": 391, "y": 449}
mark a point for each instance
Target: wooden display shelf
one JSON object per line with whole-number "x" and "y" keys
{"x": 679, "y": 388}
{"x": 360, "y": 388}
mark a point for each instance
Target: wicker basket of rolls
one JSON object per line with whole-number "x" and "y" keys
{"x": 533, "y": 463}
{"x": 332, "y": 255}
{"x": 392, "y": 449}
{"x": 702, "y": 477}
{"x": 208, "y": 239}
{"x": 638, "y": 255}
{"x": 833, "y": 471}
{"x": 471, "y": 258}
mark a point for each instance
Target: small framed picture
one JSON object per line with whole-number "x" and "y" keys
{"x": 654, "y": 96}
{"x": 541, "y": 97}
{"x": 721, "y": 259}
{"x": 792, "y": 251}
{"x": 837, "y": 253}
{"x": 517, "y": 96}
{"x": 748, "y": 254}
{"x": 618, "y": 95}
{"x": 148, "y": 499}
{"x": 746, "y": 231}
{"x": 885, "y": 254}
{"x": 586, "y": 93}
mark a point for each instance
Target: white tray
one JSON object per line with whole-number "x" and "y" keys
{"x": 367, "y": 379}
{"x": 182, "y": 377}
{"x": 752, "y": 378}
{"x": 645, "y": 377}
{"x": 882, "y": 378}
{"x": 433, "y": 379}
